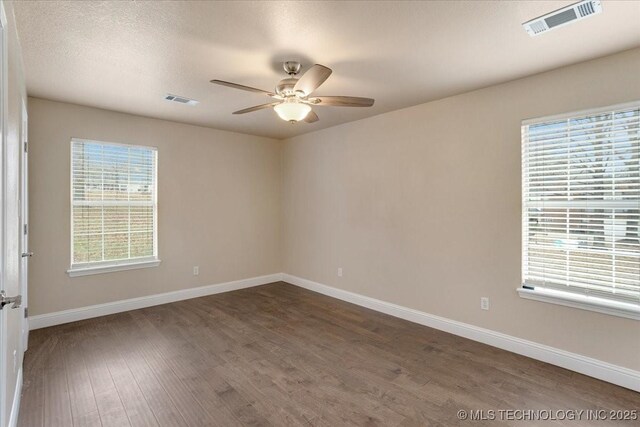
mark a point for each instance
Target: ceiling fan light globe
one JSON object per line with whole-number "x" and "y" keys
{"x": 292, "y": 111}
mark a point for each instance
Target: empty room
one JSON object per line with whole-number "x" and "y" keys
{"x": 319, "y": 213}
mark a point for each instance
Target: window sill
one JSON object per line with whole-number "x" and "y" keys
{"x": 110, "y": 268}
{"x": 600, "y": 305}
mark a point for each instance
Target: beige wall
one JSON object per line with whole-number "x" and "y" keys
{"x": 421, "y": 207}
{"x": 218, "y": 205}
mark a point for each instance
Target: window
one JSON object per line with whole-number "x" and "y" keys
{"x": 113, "y": 207}
{"x": 581, "y": 210}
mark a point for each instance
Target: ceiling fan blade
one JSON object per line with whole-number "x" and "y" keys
{"x": 312, "y": 79}
{"x": 342, "y": 101}
{"x": 242, "y": 87}
{"x": 311, "y": 117}
{"x": 256, "y": 108}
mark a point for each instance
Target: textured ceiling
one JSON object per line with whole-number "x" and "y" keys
{"x": 126, "y": 56}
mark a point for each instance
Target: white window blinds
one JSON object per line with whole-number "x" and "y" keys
{"x": 113, "y": 203}
{"x": 581, "y": 203}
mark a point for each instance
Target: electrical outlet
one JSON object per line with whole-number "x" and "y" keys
{"x": 196, "y": 270}
{"x": 340, "y": 272}
{"x": 484, "y": 303}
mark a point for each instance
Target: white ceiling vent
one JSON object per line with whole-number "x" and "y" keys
{"x": 180, "y": 99}
{"x": 564, "y": 16}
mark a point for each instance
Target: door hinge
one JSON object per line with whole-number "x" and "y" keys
{"x": 26, "y": 229}
{"x": 26, "y": 147}
{"x": 26, "y": 312}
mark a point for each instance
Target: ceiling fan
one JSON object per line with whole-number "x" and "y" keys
{"x": 292, "y": 102}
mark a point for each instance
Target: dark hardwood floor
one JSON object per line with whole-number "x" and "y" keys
{"x": 281, "y": 355}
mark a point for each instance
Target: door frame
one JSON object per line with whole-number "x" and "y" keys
{"x": 24, "y": 222}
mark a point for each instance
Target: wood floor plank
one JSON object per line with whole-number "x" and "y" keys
{"x": 156, "y": 396}
{"x": 133, "y": 400}
{"x": 80, "y": 390}
{"x": 126, "y": 339}
{"x": 190, "y": 367}
{"x": 182, "y": 397}
{"x": 32, "y": 404}
{"x": 283, "y": 356}
{"x": 259, "y": 389}
{"x": 89, "y": 419}
{"x": 57, "y": 404}
{"x": 98, "y": 353}
{"x": 111, "y": 409}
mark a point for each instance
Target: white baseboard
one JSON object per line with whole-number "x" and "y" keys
{"x": 585, "y": 365}
{"x": 73, "y": 315}
{"x": 15, "y": 408}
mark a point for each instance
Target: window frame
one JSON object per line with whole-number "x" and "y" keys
{"x": 99, "y": 267}
{"x": 596, "y": 303}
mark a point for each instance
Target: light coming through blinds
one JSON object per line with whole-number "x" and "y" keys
{"x": 581, "y": 204}
{"x": 113, "y": 203}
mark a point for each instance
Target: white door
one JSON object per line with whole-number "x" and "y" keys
{"x": 11, "y": 314}
{"x": 24, "y": 221}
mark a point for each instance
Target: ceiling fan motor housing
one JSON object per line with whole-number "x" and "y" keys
{"x": 285, "y": 86}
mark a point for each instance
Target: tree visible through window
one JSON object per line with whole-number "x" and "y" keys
{"x": 113, "y": 203}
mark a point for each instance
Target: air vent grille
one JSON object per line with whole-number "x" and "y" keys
{"x": 561, "y": 17}
{"x": 180, "y": 99}
{"x": 538, "y": 27}
{"x": 586, "y": 9}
